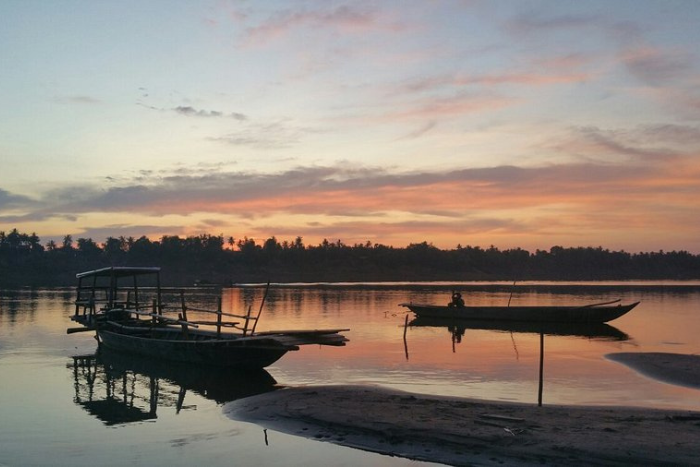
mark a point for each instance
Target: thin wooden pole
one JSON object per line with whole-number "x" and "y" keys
{"x": 247, "y": 320}
{"x": 136, "y": 294}
{"x": 112, "y": 290}
{"x": 183, "y": 323}
{"x": 539, "y": 393}
{"x": 511, "y": 293}
{"x": 405, "y": 342}
{"x": 183, "y": 315}
{"x": 92, "y": 295}
{"x": 182, "y": 304}
{"x": 78, "y": 299}
{"x": 218, "y": 320}
{"x": 257, "y": 318}
{"x": 180, "y": 399}
{"x": 158, "y": 296}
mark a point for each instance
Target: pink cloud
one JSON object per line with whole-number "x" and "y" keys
{"x": 534, "y": 79}
{"x": 344, "y": 19}
{"x": 449, "y": 106}
{"x": 659, "y": 67}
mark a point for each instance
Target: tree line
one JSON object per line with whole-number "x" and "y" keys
{"x": 215, "y": 259}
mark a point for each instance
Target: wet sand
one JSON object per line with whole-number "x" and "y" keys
{"x": 672, "y": 368}
{"x": 458, "y": 431}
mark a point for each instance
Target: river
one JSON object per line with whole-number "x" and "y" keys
{"x": 60, "y": 404}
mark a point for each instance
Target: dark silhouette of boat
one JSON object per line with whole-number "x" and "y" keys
{"x": 132, "y": 318}
{"x": 456, "y": 309}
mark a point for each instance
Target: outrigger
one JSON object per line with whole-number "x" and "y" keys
{"x": 124, "y": 306}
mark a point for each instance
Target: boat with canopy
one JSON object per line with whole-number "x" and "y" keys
{"x": 126, "y": 308}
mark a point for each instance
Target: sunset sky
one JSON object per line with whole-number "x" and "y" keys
{"x": 511, "y": 123}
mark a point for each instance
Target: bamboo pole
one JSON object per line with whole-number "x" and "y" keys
{"x": 184, "y": 320}
{"x": 218, "y": 320}
{"x": 136, "y": 294}
{"x": 539, "y": 392}
{"x": 184, "y": 307}
{"x": 247, "y": 320}
{"x": 257, "y": 318}
{"x": 405, "y": 342}
{"x": 201, "y": 310}
{"x": 511, "y": 293}
{"x": 156, "y": 317}
{"x": 183, "y": 323}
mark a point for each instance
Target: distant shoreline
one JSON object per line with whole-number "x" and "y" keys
{"x": 211, "y": 259}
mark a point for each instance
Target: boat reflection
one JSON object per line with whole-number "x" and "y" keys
{"x": 119, "y": 389}
{"x": 457, "y": 328}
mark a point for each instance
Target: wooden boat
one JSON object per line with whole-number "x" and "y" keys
{"x": 114, "y": 302}
{"x": 593, "y": 313}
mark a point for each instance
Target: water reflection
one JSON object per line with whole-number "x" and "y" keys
{"x": 119, "y": 389}
{"x": 457, "y": 328}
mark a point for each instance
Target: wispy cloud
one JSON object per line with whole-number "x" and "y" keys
{"x": 648, "y": 143}
{"x": 192, "y": 112}
{"x": 659, "y": 67}
{"x": 458, "y": 81}
{"x": 317, "y": 190}
{"x": 420, "y": 131}
{"x": 79, "y": 99}
{"x": 345, "y": 19}
{"x": 10, "y": 201}
{"x": 532, "y": 22}
{"x": 189, "y": 111}
{"x": 278, "y": 134}
{"x": 455, "y": 105}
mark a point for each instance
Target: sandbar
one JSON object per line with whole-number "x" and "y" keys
{"x": 457, "y": 431}
{"x": 672, "y": 368}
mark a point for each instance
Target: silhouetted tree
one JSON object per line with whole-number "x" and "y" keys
{"x": 67, "y": 242}
{"x": 204, "y": 257}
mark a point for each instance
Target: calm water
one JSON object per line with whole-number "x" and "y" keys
{"x": 62, "y": 405}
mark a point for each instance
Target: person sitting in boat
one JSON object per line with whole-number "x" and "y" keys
{"x": 457, "y": 300}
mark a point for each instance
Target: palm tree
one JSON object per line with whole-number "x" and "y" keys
{"x": 67, "y": 242}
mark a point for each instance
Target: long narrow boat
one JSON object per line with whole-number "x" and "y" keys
{"x": 125, "y": 307}
{"x": 593, "y": 313}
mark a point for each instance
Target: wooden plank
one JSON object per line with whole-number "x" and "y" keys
{"x": 302, "y": 332}
{"x": 231, "y": 315}
{"x": 161, "y": 317}
{"x": 225, "y": 324}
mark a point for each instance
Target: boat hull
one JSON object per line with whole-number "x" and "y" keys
{"x": 235, "y": 353}
{"x": 549, "y": 314}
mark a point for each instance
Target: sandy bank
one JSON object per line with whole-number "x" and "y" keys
{"x": 467, "y": 432}
{"x": 672, "y": 368}
{"x": 472, "y": 432}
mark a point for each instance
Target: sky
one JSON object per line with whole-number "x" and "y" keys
{"x": 518, "y": 124}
